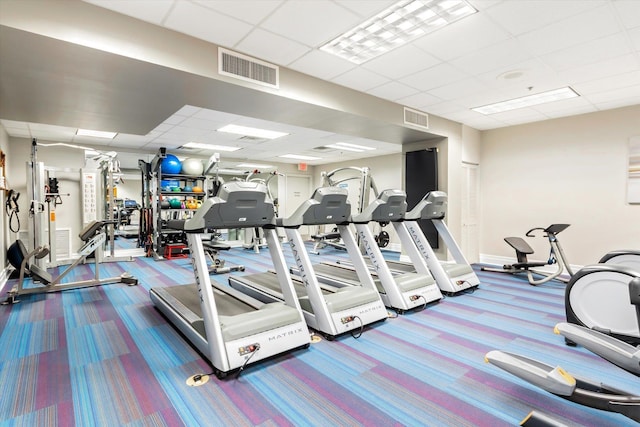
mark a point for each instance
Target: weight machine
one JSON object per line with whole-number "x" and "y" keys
{"x": 93, "y": 235}
{"x": 44, "y": 194}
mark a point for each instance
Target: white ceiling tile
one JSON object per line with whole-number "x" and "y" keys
{"x": 134, "y": 140}
{"x": 519, "y": 17}
{"x": 393, "y": 91}
{"x": 321, "y": 64}
{"x": 14, "y": 124}
{"x": 185, "y": 133}
{"x": 411, "y": 58}
{"x": 279, "y": 50}
{"x": 459, "y": 89}
{"x": 623, "y": 94}
{"x": 360, "y": 79}
{"x": 583, "y": 27}
{"x": 436, "y": 76}
{"x": 608, "y": 83}
{"x": 588, "y": 53}
{"x": 530, "y": 73}
{"x": 462, "y": 37}
{"x": 602, "y": 69}
{"x": 311, "y": 22}
{"x": 635, "y": 37}
{"x": 587, "y": 108}
{"x": 206, "y": 24}
{"x": 251, "y": 11}
{"x": 152, "y": 11}
{"x": 162, "y": 127}
{"x": 521, "y": 115}
{"x": 197, "y": 123}
{"x": 173, "y": 120}
{"x": 419, "y": 100}
{"x": 493, "y": 57}
{"x": 574, "y": 104}
{"x": 629, "y": 12}
{"x": 216, "y": 116}
{"x": 187, "y": 111}
{"x": 444, "y": 108}
{"x": 366, "y": 8}
{"x": 618, "y": 103}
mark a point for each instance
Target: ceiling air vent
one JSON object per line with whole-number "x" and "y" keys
{"x": 416, "y": 118}
{"x": 249, "y": 69}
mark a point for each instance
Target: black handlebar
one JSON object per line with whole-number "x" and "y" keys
{"x": 553, "y": 229}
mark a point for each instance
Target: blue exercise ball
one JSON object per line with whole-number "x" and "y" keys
{"x": 171, "y": 165}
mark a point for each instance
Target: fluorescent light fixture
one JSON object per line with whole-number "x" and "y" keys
{"x": 255, "y": 132}
{"x": 210, "y": 146}
{"x": 299, "y": 157}
{"x": 350, "y": 147}
{"x": 528, "y": 101}
{"x": 253, "y": 165}
{"x": 96, "y": 133}
{"x": 400, "y": 23}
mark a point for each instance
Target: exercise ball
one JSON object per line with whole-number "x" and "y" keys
{"x": 175, "y": 203}
{"x": 193, "y": 167}
{"x": 197, "y": 189}
{"x": 171, "y": 165}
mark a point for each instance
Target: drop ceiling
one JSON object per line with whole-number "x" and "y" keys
{"x": 508, "y": 49}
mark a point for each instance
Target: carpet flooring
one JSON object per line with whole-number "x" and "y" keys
{"x": 104, "y": 356}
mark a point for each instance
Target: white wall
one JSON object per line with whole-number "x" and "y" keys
{"x": 569, "y": 170}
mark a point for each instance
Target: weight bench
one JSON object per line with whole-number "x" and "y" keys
{"x": 322, "y": 239}
{"x": 212, "y": 250}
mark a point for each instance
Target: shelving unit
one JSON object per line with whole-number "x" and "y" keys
{"x": 159, "y": 240}
{"x": 164, "y": 237}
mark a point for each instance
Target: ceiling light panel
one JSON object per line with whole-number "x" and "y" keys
{"x": 254, "y": 165}
{"x": 399, "y": 24}
{"x": 96, "y": 133}
{"x": 349, "y": 147}
{"x": 254, "y": 132}
{"x": 528, "y": 101}
{"x": 211, "y": 147}
{"x": 299, "y": 157}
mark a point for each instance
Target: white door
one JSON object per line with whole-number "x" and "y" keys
{"x": 470, "y": 244}
{"x": 296, "y": 189}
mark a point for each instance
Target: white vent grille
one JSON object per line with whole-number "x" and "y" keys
{"x": 416, "y": 118}
{"x": 249, "y": 69}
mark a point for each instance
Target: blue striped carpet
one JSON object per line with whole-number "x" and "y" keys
{"x": 104, "y": 357}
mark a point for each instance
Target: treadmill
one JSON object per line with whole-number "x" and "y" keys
{"x": 229, "y": 328}
{"x": 330, "y": 310}
{"x": 450, "y": 277}
{"x": 400, "y": 292}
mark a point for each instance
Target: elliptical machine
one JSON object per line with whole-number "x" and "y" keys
{"x": 608, "y": 344}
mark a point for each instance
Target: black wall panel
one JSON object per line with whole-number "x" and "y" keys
{"x": 421, "y": 176}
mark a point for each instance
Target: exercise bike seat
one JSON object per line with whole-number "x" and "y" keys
{"x": 522, "y": 250}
